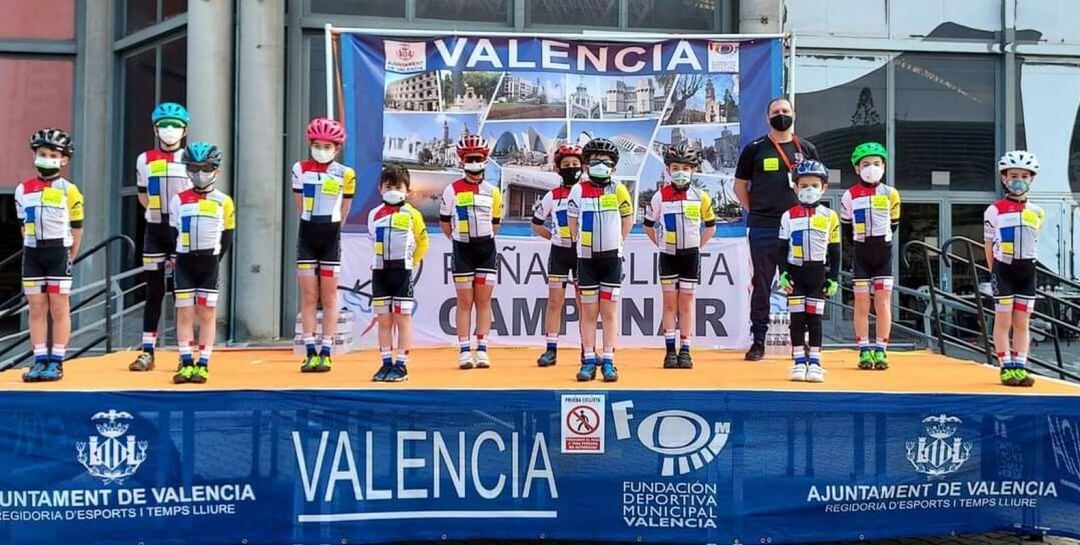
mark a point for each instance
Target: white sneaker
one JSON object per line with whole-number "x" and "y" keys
{"x": 815, "y": 373}
{"x": 465, "y": 360}
{"x": 482, "y": 359}
{"x": 798, "y": 372}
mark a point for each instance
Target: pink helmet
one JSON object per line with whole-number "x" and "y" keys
{"x": 322, "y": 128}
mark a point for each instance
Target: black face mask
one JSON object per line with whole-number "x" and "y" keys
{"x": 47, "y": 172}
{"x": 781, "y": 122}
{"x": 570, "y": 175}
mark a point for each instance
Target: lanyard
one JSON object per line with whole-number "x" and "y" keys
{"x": 780, "y": 150}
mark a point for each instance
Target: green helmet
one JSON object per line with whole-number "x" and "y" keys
{"x": 868, "y": 149}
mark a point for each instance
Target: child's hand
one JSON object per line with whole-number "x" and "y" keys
{"x": 785, "y": 282}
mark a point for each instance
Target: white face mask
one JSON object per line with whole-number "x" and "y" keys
{"x": 323, "y": 155}
{"x": 202, "y": 180}
{"x": 871, "y": 174}
{"x": 170, "y": 136}
{"x": 47, "y": 163}
{"x": 476, "y": 167}
{"x": 599, "y": 171}
{"x": 393, "y": 197}
{"x": 810, "y": 195}
{"x": 682, "y": 178}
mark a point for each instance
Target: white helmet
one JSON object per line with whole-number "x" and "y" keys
{"x": 1019, "y": 159}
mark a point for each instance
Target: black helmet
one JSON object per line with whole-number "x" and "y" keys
{"x": 681, "y": 153}
{"x": 598, "y": 146}
{"x": 52, "y": 138}
{"x": 202, "y": 153}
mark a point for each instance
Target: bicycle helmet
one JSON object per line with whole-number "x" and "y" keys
{"x": 600, "y": 146}
{"x": 1019, "y": 159}
{"x": 810, "y": 167}
{"x": 170, "y": 110}
{"x": 52, "y": 138}
{"x": 322, "y": 128}
{"x": 868, "y": 149}
{"x": 566, "y": 150}
{"x": 203, "y": 153}
{"x": 472, "y": 144}
{"x": 681, "y": 153}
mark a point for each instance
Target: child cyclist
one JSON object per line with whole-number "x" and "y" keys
{"x": 1011, "y": 230}
{"x": 674, "y": 223}
{"x": 203, "y": 221}
{"x": 873, "y": 211}
{"x": 50, "y": 208}
{"x": 810, "y": 242}
{"x": 160, "y": 175}
{"x": 562, "y": 260}
{"x": 322, "y": 190}
{"x": 600, "y": 213}
{"x": 401, "y": 240}
{"x": 469, "y": 216}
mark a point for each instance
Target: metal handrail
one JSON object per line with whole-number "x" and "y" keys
{"x": 1039, "y": 267}
{"x": 10, "y": 258}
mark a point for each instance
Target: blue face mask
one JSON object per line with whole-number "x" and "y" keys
{"x": 1018, "y": 186}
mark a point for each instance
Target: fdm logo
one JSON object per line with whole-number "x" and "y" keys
{"x": 943, "y": 452}
{"x": 684, "y": 440}
{"x": 111, "y": 456}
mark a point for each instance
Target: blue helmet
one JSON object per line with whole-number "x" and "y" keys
{"x": 203, "y": 153}
{"x": 170, "y": 110}
{"x": 810, "y": 167}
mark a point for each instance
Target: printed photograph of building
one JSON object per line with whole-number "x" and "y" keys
{"x": 632, "y": 137}
{"x": 703, "y": 98}
{"x": 629, "y": 97}
{"x": 412, "y": 93}
{"x": 425, "y": 141}
{"x": 522, "y": 188}
{"x": 530, "y": 95}
{"x": 721, "y": 188}
{"x": 468, "y": 91}
{"x": 524, "y": 144}
{"x": 585, "y": 96}
{"x": 718, "y": 144}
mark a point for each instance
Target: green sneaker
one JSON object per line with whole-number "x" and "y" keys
{"x": 310, "y": 363}
{"x": 323, "y": 364}
{"x": 881, "y": 360}
{"x": 199, "y": 374}
{"x": 1008, "y": 376}
{"x": 1023, "y": 377}
{"x": 866, "y": 359}
{"x": 184, "y": 374}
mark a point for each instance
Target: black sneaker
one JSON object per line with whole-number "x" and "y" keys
{"x": 671, "y": 360}
{"x": 547, "y": 359}
{"x": 756, "y": 352}
{"x": 380, "y": 375}
{"x": 685, "y": 361}
{"x": 397, "y": 373}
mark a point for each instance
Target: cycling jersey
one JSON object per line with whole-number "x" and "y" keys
{"x": 49, "y": 210}
{"x": 400, "y": 236}
{"x": 1013, "y": 227}
{"x": 873, "y": 211}
{"x": 472, "y": 209}
{"x": 599, "y": 210}
{"x": 553, "y": 206}
{"x": 323, "y": 186}
{"x": 160, "y": 175}
{"x": 809, "y": 232}
{"x": 678, "y": 215}
{"x": 201, "y": 219}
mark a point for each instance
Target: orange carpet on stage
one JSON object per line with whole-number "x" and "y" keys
{"x": 915, "y": 372}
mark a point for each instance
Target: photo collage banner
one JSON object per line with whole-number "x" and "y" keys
{"x": 410, "y": 100}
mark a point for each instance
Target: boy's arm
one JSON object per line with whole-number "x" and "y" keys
{"x": 573, "y": 209}
{"x": 229, "y": 227}
{"x": 988, "y": 252}
{"x": 75, "y": 216}
{"x": 989, "y": 227}
{"x": 708, "y": 219}
{"x": 142, "y": 179}
{"x": 446, "y": 209}
{"x": 894, "y": 209}
{"x": 833, "y": 252}
{"x": 496, "y": 210}
{"x": 782, "y": 244}
{"x": 347, "y": 194}
{"x": 421, "y": 235}
{"x": 541, "y": 212}
{"x": 626, "y": 209}
{"x": 651, "y": 216}
{"x": 297, "y": 189}
{"x": 76, "y": 242}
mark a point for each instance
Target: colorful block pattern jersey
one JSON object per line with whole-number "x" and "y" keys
{"x": 809, "y": 231}
{"x": 599, "y": 211}
{"x": 200, "y": 220}
{"x": 678, "y": 216}
{"x": 49, "y": 210}
{"x": 161, "y": 175}
{"x": 1013, "y": 227}
{"x": 472, "y": 209}
{"x": 399, "y": 235}
{"x": 872, "y": 210}
{"x": 323, "y": 187}
{"x": 553, "y": 207}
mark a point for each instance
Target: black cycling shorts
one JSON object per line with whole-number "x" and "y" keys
{"x": 562, "y": 265}
{"x": 680, "y": 271}
{"x": 474, "y": 261}
{"x": 318, "y": 246}
{"x": 158, "y": 244}
{"x": 599, "y": 278}
{"x": 872, "y": 261}
{"x": 46, "y": 270}
{"x": 392, "y": 291}
{"x": 1014, "y": 279}
{"x": 196, "y": 280}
